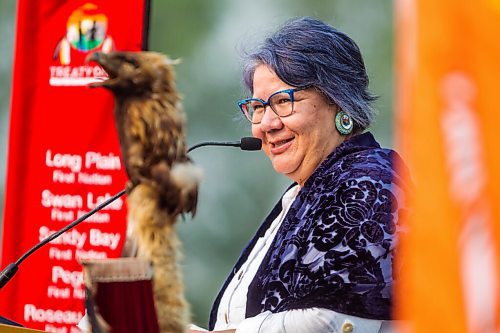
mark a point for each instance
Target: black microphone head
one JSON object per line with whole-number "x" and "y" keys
{"x": 250, "y": 143}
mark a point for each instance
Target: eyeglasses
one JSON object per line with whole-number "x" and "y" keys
{"x": 281, "y": 102}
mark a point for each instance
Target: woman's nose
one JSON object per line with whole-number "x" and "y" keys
{"x": 270, "y": 120}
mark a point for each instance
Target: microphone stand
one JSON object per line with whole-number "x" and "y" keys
{"x": 8, "y": 272}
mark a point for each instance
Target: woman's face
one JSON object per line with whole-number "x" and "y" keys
{"x": 298, "y": 143}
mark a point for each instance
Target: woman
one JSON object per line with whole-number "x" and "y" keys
{"x": 322, "y": 261}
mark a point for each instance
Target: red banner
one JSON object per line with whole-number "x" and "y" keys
{"x": 63, "y": 154}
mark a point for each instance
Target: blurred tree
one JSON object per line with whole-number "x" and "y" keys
{"x": 7, "y": 16}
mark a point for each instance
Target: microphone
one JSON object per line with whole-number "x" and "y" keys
{"x": 246, "y": 143}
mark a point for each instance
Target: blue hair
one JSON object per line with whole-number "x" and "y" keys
{"x": 308, "y": 52}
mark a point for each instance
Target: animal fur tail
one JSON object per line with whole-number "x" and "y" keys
{"x": 158, "y": 242}
{"x": 177, "y": 186}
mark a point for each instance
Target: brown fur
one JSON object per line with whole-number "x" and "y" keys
{"x": 158, "y": 241}
{"x": 151, "y": 128}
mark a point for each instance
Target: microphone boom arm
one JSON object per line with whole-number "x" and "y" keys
{"x": 8, "y": 272}
{"x": 213, "y": 143}
{"x": 12, "y": 268}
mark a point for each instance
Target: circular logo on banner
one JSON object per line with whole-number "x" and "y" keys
{"x": 86, "y": 31}
{"x": 86, "y": 28}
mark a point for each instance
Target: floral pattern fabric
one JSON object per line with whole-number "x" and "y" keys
{"x": 335, "y": 248}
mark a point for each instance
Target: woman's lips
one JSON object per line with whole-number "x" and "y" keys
{"x": 281, "y": 146}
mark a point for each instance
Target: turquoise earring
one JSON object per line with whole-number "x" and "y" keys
{"x": 343, "y": 123}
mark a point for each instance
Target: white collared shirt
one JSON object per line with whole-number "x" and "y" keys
{"x": 232, "y": 306}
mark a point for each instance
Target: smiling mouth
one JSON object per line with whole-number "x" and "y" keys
{"x": 278, "y": 144}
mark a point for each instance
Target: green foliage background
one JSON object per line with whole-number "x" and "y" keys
{"x": 210, "y": 37}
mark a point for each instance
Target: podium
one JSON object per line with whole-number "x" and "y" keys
{"x": 16, "y": 329}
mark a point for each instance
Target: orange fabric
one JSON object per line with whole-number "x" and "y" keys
{"x": 447, "y": 123}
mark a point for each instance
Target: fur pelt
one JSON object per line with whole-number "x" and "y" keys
{"x": 163, "y": 182}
